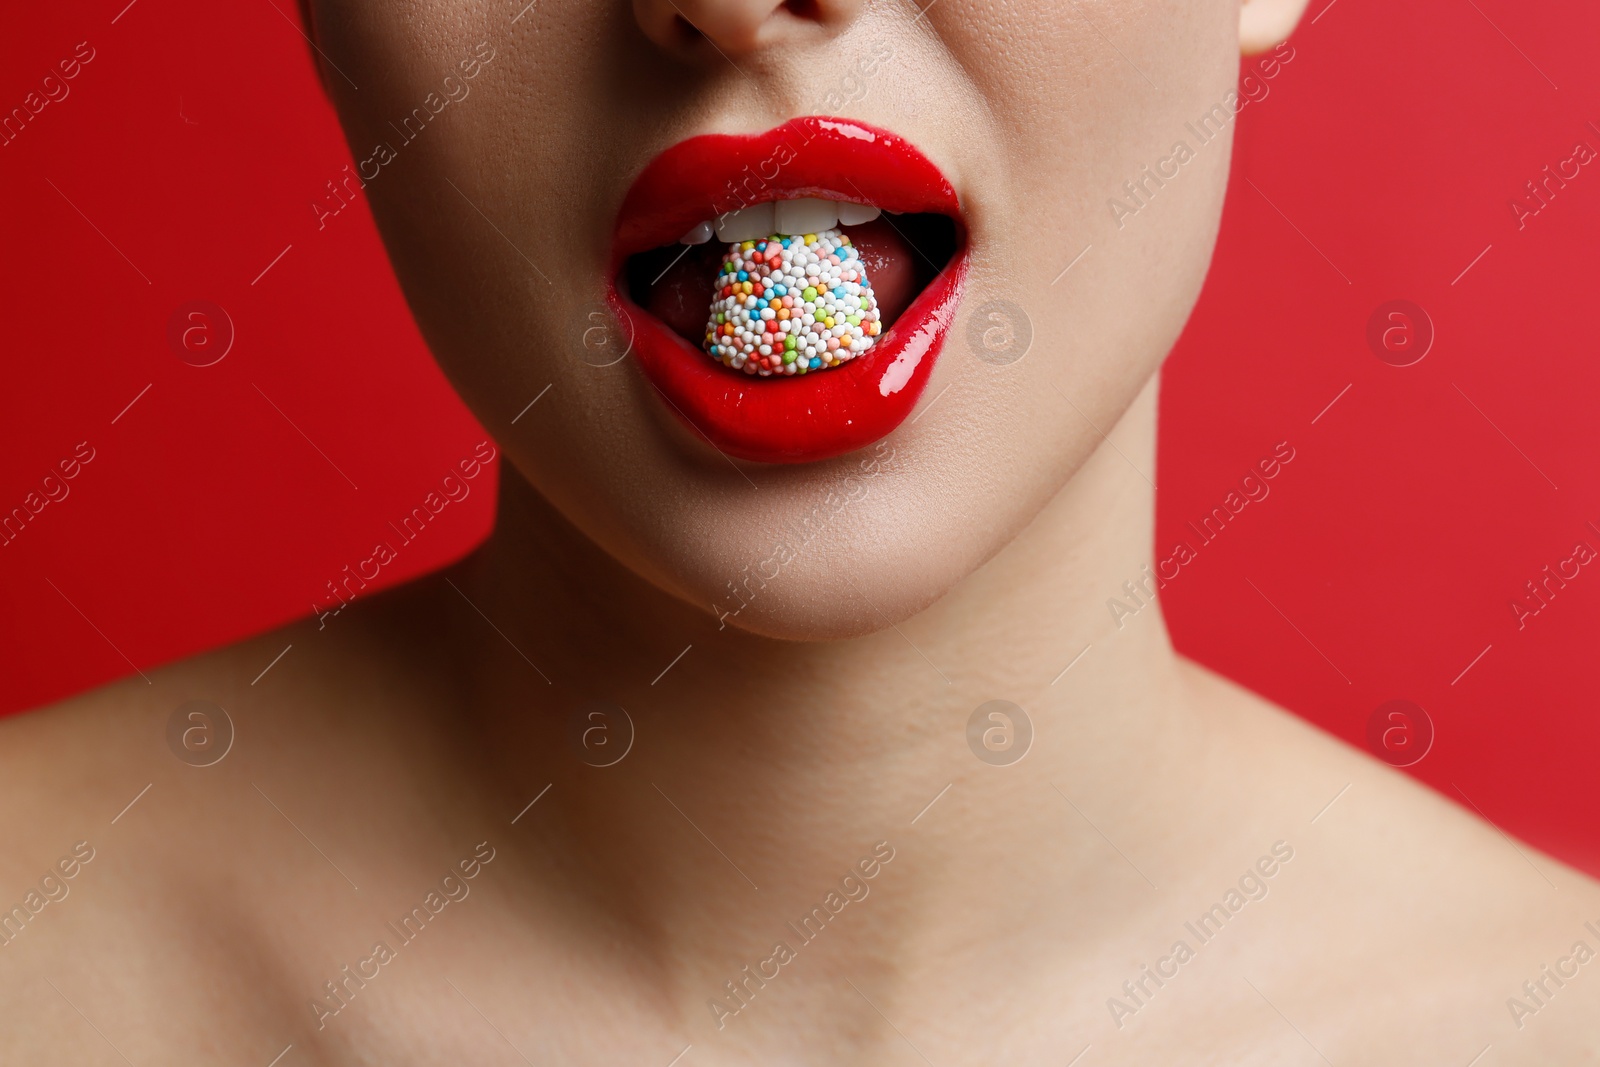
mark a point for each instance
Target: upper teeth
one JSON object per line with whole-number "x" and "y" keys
{"x": 697, "y": 236}
{"x": 855, "y": 214}
{"x": 805, "y": 215}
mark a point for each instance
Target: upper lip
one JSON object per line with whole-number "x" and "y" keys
{"x": 706, "y": 176}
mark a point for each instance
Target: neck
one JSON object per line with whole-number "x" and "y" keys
{"x": 792, "y": 759}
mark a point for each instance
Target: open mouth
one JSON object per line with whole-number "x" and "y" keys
{"x": 789, "y": 292}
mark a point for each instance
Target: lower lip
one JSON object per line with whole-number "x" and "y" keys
{"x": 800, "y": 418}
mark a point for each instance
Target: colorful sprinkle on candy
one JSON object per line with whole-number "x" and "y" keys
{"x": 791, "y": 304}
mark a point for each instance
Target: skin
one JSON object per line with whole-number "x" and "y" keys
{"x": 795, "y": 736}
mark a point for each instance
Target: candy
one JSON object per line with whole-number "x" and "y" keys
{"x": 791, "y": 304}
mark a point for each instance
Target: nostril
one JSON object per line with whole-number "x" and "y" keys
{"x": 739, "y": 27}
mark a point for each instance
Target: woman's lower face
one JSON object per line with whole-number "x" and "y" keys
{"x": 839, "y": 291}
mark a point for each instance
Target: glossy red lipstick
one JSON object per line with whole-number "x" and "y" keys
{"x": 800, "y": 419}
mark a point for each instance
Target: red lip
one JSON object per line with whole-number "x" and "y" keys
{"x": 780, "y": 419}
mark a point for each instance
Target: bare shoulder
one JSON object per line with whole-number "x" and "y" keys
{"x": 67, "y": 759}
{"x": 66, "y": 762}
{"x": 152, "y": 825}
{"x": 1413, "y": 930}
{"x": 82, "y": 867}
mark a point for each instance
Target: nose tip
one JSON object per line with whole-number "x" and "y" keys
{"x": 739, "y": 27}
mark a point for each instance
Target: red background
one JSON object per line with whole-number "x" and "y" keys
{"x": 1381, "y": 166}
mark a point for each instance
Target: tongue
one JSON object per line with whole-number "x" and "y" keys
{"x": 888, "y": 260}
{"x": 682, "y": 294}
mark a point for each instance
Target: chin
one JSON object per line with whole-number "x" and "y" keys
{"x": 856, "y": 579}
{"x": 855, "y": 547}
